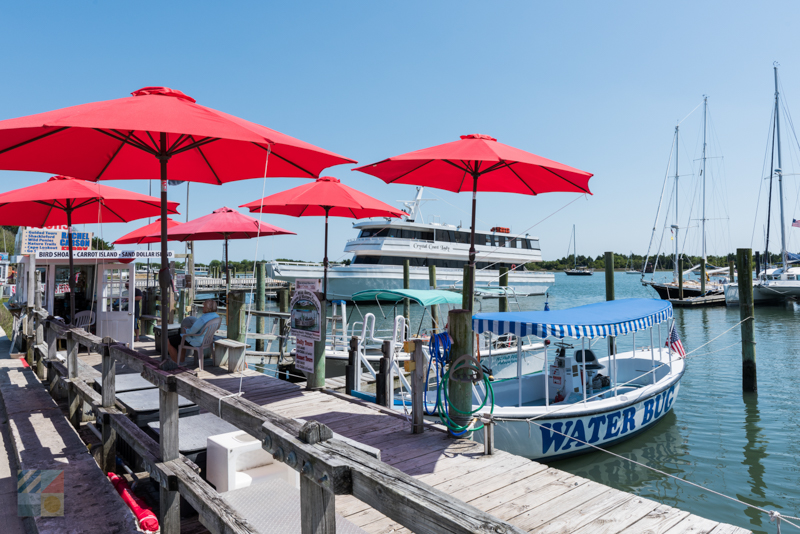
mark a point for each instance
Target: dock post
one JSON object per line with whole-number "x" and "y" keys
{"x": 75, "y": 402}
{"x": 235, "y": 319}
{"x": 459, "y": 388}
{"x": 488, "y": 434}
{"x": 744, "y": 260}
{"x": 181, "y": 305}
{"x": 261, "y": 301}
{"x": 418, "y": 387}
{"x": 169, "y": 497}
{"x": 731, "y": 270}
{"x": 504, "y": 283}
{"x": 609, "y": 265}
{"x": 435, "y": 307}
{"x": 283, "y": 307}
{"x": 190, "y": 276}
{"x": 702, "y": 277}
{"x": 350, "y": 370}
{"x": 51, "y": 338}
{"x": 150, "y": 309}
{"x": 406, "y": 285}
{"x": 33, "y": 288}
{"x": 680, "y": 278}
{"x": 317, "y": 508}
{"x": 384, "y": 385}
{"x": 39, "y": 337}
{"x": 467, "y": 288}
{"x": 108, "y": 452}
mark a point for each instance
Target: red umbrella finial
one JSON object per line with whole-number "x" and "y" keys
{"x": 60, "y": 177}
{"x": 223, "y": 209}
{"x": 163, "y": 91}
{"x": 328, "y": 179}
{"x": 479, "y": 136}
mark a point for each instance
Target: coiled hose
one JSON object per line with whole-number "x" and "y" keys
{"x": 443, "y": 377}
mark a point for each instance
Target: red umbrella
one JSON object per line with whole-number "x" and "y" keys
{"x": 327, "y": 196}
{"x": 145, "y": 135}
{"x": 64, "y": 200}
{"x": 146, "y": 234}
{"x": 223, "y": 223}
{"x": 492, "y": 166}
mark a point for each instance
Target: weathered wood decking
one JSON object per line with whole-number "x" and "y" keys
{"x": 529, "y": 495}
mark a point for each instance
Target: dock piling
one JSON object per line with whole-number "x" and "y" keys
{"x": 459, "y": 388}
{"x": 317, "y": 379}
{"x": 731, "y": 271}
{"x": 108, "y": 453}
{"x": 467, "y": 288}
{"x": 609, "y": 271}
{"x": 488, "y": 434}
{"x": 406, "y": 285}
{"x": 235, "y": 320}
{"x": 503, "y": 283}
{"x": 418, "y": 387}
{"x": 74, "y": 399}
{"x": 261, "y": 301}
{"x": 170, "y": 503}
{"x": 435, "y": 307}
{"x": 744, "y": 260}
{"x": 181, "y": 305}
{"x": 350, "y": 369}
{"x": 384, "y": 385}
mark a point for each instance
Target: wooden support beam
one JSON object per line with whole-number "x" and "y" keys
{"x": 75, "y": 403}
{"x": 317, "y": 508}
{"x": 261, "y": 300}
{"x": 418, "y": 387}
{"x": 108, "y": 454}
{"x": 170, "y": 519}
{"x": 744, "y": 258}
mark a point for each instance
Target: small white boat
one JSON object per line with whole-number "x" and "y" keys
{"x": 582, "y": 399}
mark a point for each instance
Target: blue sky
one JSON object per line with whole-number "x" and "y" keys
{"x": 598, "y": 86}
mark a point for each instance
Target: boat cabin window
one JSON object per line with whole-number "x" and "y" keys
{"x": 791, "y": 277}
{"x": 425, "y": 262}
{"x": 501, "y": 240}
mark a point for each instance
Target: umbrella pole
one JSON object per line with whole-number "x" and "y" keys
{"x": 164, "y": 272}
{"x": 71, "y": 267}
{"x": 325, "y": 259}
{"x": 471, "y": 290}
{"x": 227, "y": 267}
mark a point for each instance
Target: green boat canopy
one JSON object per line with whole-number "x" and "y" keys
{"x": 423, "y": 297}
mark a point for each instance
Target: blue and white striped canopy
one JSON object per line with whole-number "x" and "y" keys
{"x": 613, "y": 318}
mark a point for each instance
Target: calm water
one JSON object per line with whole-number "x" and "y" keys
{"x": 745, "y": 446}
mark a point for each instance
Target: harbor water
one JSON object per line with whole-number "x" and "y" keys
{"x": 746, "y": 446}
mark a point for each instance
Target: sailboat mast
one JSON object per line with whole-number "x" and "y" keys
{"x": 675, "y": 226}
{"x": 705, "y": 124}
{"x": 779, "y": 172}
{"x": 574, "y": 248}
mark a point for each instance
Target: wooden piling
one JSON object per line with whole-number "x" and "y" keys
{"x": 418, "y": 387}
{"x": 384, "y": 385}
{"x": 731, "y": 271}
{"x": 744, "y": 260}
{"x": 758, "y": 264}
{"x": 435, "y": 307}
{"x": 406, "y": 285}
{"x": 108, "y": 452}
{"x": 75, "y": 403}
{"x": 170, "y": 517}
{"x": 181, "y": 305}
{"x": 680, "y": 278}
{"x": 467, "y": 289}
{"x": 504, "y": 283}
{"x": 283, "y": 307}
{"x": 235, "y": 321}
{"x": 350, "y": 375}
{"x": 459, "y": 387}
{"x": 609, "y": 271}
{"x": 150, "y": 309}
{"x": 261, "y": 301}
{"x": 317, "y": 379}
{"x": 317, "y": 508}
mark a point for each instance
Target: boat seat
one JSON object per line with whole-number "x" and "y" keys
{"x": 591, "y": 359}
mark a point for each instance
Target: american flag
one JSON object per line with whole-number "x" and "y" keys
{"x": 674, "y": 342}
{"x": 795, "y": 223}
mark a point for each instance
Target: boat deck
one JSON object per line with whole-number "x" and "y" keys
{"x": 527, "y": 494}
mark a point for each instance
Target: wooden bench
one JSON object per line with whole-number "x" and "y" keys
{"x": 231, "y": 352}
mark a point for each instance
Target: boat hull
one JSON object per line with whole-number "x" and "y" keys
{"x": 670, "y": 291}
{"x": 761, "y": 295}
{"x": 345, "y": 280}
{"x": 603, "y": 428}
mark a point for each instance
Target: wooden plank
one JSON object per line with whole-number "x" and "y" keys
{"x": 724, "y": 528}
{"x": 512, "y": 492}
{"x": 75, "y": 404}
{"x": 170, "y": 510}
{"x": 658, "y": 521}
{"x": 693, "y": 524}
{"x": 602, "y": 506}
{"x": 529, "y": 502}
{"x": 562, "y": 505}
{"x": 622, "y": 516}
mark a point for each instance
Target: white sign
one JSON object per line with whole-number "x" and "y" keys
{"x": 308, "y": 284}
{"x": 102, "y": 254}
{"x": 306, "y": 315}
{"x": 304, "y": 354}
{"x": 36, "y": 239}
{"x": 62, "y": 288}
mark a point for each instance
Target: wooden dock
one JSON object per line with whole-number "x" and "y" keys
{"x": 699, "y": 302}
{"x": 357, "y": 459}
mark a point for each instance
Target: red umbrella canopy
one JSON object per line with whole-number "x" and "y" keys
{"x": 47, "y": 204}
{"x": 143, "y": 234}
{"x": 223, "y": 223}
{"x": 121, "y": 140}
{"x": 506, "y": 169}
{"x": 327, "y": 192}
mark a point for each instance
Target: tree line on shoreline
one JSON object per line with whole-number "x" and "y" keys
{"x": 633, "y": 263}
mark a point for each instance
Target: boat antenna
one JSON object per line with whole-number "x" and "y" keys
{"x": 413, "y": 206}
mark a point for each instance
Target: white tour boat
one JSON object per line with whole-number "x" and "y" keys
{"x": 383, "y": 244}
